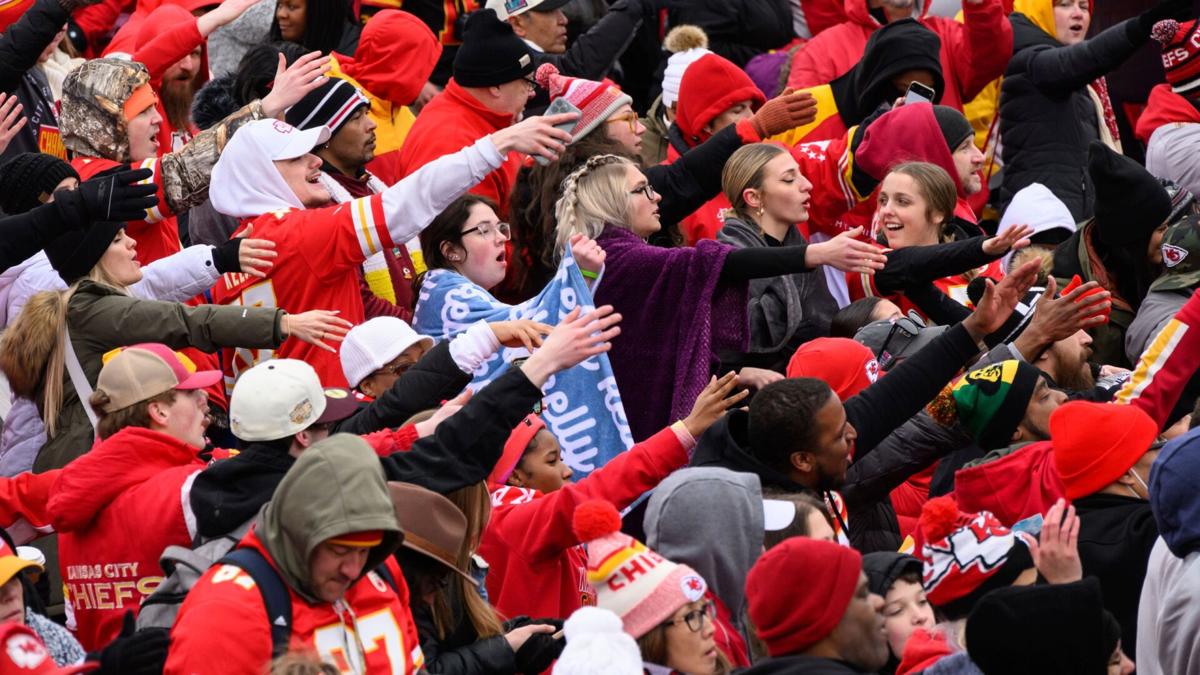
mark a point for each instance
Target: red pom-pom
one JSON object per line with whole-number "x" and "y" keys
{"x": 1164, "y": 31}
{"x": 595, "y": 519}
{"x": 543, "y": 73}
{"x": 939, "y": 517}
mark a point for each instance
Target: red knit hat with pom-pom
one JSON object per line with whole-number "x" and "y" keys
{"x": 1180, "y": 53}
{"x": 597, "y": 101}
{"x": 635, "y": 583}
{"x": 966, "y": 555}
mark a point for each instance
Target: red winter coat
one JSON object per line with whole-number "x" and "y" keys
{"x": 451, "y": 121}
{"x": 116, "y": 508}
{"x": 225, "y": 602}
{"x": 1162, "y": 108}
{"x": 169, "y": 34}
{"x": 973, "y": 53}
{"x": 537, "y": 566}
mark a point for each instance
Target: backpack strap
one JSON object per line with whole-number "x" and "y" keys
{"x": 274, "y": 594}
{"x": 386, "y": 574}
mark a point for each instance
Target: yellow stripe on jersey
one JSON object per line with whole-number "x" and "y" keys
{"x": 153, "y": 214}
{"x": 364, "y": 222}
{"x": 1152, "y": 360}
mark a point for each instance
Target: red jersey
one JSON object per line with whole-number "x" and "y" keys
{"x": 223, "y": 626}
{"x": 158, "y": 235}
{"x": 319, "y": 253}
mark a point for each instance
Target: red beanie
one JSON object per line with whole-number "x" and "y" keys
{"x": 789, "y": 623}
{"x": 846, "y": 366}
{"x": 1094, "y": 443}
{"x": 710, "y": 86}
{"x": 1180, "y": 53}
{"x": 514, "y": 449}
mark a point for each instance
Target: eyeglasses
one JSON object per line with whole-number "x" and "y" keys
{"x": 645, "y": 190}
{"x": 532, "y": 83}
{"x": 486, "y": 230}
{"x": 396, "y": 369}
{"x": 695, "y": 618}
{"x": 910, "y": 327}
{"x": 630, "y": 118}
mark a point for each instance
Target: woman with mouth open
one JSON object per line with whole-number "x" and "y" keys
{"x": 680, "y": 305}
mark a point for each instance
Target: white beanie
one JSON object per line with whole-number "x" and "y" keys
{"x": 687, "y": 44}
{"x": 1036, "y": 206}
{"x": 597, "y": 644}
{"x": 373, "y": 344}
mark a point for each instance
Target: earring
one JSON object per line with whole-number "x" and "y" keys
{"x": 760, "y": 212}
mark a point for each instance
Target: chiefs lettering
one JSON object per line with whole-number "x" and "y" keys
{"x": 110, "y": 586}
{"x": 636, "y": 567}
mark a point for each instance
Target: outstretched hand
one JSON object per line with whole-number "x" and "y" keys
{"x": 1056, "y": 554}
{"x": 576, "y": 338}
{"x": 999, "y": 300}
{"x": 427, "y": 427}
{"x": 316, "y": 326}
{"x": 712, "y": 403}
{"x": 1014, "y": 238}
{"x": 520, "y": 333}
{"x": 847, "y": 253}
{"x": 11, "y": 119}
{"x": 292, "y": 84}
{"x": 255, "y": 256}
{"x": 536, "y": 136}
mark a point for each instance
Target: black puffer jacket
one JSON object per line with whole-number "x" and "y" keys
{"x": 739, "y": 30}
{"x": 1047, "y": 117}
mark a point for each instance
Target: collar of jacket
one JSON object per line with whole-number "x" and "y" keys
{"x": 463, "y": 99}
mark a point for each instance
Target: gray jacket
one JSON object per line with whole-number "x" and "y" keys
{"x": 1158, "y": 308}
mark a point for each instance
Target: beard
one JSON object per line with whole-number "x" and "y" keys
{"x": 177, "y": 98}
{"x": 1076, "y": 376}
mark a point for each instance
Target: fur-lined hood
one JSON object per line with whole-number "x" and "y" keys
{"x": 28, "y": 342}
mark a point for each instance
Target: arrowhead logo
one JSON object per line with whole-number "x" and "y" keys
{"x": 1173, "y": 255}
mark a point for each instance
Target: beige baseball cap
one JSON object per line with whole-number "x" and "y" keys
{"x": 281, "y": 397}
{"x": 143, "y": 371}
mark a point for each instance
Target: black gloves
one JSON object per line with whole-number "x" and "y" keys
{"x": 540, "y": 650}
{"x": 134, "y": 652}
{"x": 225, "y": 256}
{"x": 1180, "y": 10}
{"x": 111, "y": 197}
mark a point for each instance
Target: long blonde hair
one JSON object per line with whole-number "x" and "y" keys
{"x": 745, "y": 171}
{"x": 593, "y": 196}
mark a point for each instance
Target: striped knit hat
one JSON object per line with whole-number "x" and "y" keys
{"x": 1180, "y": 53}
{"x": 596, "y": 100}
{"x": 330, "y": 105}
{"x": 637, "y": 584}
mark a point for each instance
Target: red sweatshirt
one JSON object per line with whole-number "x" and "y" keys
{"x": 116, "y": 508}
{"x": 973, "y": 53}
{"x": 537, "y": 566}
{"x": 1162, "y": 108}
{"x": 167, "y": 35}
{"x": 451, "y": 121}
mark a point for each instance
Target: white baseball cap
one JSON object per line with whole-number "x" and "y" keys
{"x": 507, "y": 8}
{"x": 778, "y": 514}
{"x": 278, "y": 140}
{"x": 373, "y": 344}
{"x": 275, "y": 399}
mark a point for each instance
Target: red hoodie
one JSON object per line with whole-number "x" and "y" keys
{"x": 973, "y": 53}
{"x": 451, "y": 121}
{"x": 116, "y": 508}
{"x": 167, "y": 35}
{"x": 1162, "y": 108}
{"x": 538, "y": 567}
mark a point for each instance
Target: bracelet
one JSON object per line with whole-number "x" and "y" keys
{"x": 588, "y": 274}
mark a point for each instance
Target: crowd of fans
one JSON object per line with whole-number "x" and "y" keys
{"x": 569, "y": 336}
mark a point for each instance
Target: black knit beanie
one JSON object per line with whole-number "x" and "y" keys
{"x": 955, "y": 127}
{"x": 1130, "y": 203}
{"x": 74, "y": 253}
{"x": 330, "y": 105}
{"x": 491, "y": 53}
{"x": 1062, "y": 629}
{"x": 28, "y": 178}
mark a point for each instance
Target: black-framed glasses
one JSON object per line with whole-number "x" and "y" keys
{"x": 650, "y": 192}
{"x": 909, "y": 327}
{"x": 531, "y": 82}
{"x": 695, "y": 618}
{"x": 485, "y": 230}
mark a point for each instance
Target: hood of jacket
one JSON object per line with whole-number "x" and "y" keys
{"x": 168, "y": 17}
{"x": 245, "y": 182}
{"x": 893, "y": 49}
{"x": 1013, "y": 484}
{"x": 1036, "y": 206}
{"x": 231, "y": 492}
{"x": 1173, "y": 493}
{"x": 909, "y": 133}
{"x": 711, "y": 519}
{"x": 1040, "y": 14}
{"x": 1030, "y": 30}
{"x": 396, "y": 55}
{"x": 724, "y": 445}
{"x": 336, "y": 487}
{"x": 92, "y": 119}
{"x": 860, "y": 14}
{"x": 129, "y": 457}
{"x": 1162, "y": 108}
{"x": 28, "y": 341}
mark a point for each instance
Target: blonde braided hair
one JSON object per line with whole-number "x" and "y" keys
{"x": 593, "y": 196}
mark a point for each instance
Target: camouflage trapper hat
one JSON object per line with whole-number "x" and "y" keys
{"x": 1181, "y": 256}
{"x": 93, "y": 119}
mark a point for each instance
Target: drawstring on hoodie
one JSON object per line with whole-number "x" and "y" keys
{"x": 359, "y": 665}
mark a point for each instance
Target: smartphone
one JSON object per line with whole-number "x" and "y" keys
{"x": 556, "y": 107}
{"x": 919, "y": 93}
